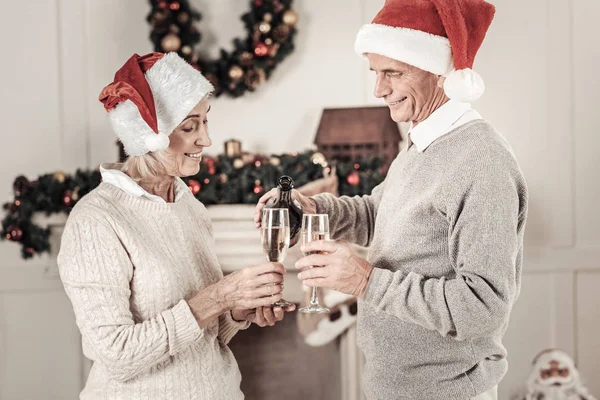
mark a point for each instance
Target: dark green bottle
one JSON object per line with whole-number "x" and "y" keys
{"x": 285, "y": 184}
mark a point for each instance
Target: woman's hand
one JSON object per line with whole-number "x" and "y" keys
{"x": 252, "y": 287}
{"x": 262, "y": 316}
{"x": 249, "y": 288}
{"x": 309, "y": 206}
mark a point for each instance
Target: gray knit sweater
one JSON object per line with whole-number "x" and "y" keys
{"x": 445, "y": 231}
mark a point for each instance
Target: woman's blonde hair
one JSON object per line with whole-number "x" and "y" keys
{"x": 149, "y": 165}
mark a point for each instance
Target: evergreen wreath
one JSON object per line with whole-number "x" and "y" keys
{"x": 270, "y": 27}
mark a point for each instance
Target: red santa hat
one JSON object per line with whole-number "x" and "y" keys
{"x": 439, "y": 36}
{"x": 149, "y": 97}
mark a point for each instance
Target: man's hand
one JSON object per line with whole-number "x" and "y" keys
{"x": 262, "y": 316}
{"x": 334, "y": 266}
{"x": 309, "y": 206}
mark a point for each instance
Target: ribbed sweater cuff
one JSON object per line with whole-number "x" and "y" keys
{"x": 231, "y": 327}
{"x": 378, "y": 285}
{"x": 182, "y": 327}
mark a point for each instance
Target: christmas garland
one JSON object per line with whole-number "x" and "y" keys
{"x": 221, "y": 180}
{"x": 270, "y": 26}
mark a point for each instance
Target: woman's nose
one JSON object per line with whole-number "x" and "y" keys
{"x": 203, "y": 139}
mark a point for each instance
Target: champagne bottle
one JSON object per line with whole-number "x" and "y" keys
{"x": 285, "y": 184}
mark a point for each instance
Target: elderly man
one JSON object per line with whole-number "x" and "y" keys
{"x": 445, "y": 228}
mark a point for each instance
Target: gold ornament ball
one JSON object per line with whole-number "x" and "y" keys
{"x": 247, "y": 158}
{"x": 170, "y": 42}
{"x": 275, "y": 161}
{"x": 238, "y": 163}
{"x": 75, "y": 195}
{"x": 264, "y": 27}
{"x": 59, "y": 176}
{"x": 268, "y": 17}
{"x": 174, "y": 28}
{"x": 262, "y": 75}
{"x": 268, "y": 41}
{"x": 281, "y": 33}
{"x": 224, "y": 178}
{"x": 290, "y": 18}
{"x": 187, "y": 50}
{"x": 236, "y": 72}
{"x": 159, "y": 16}
{"x": 255, "y": 77}
{"x": 183, "y": 18}
{"x": 319, "y": 158}
{"x": 273, "y": 50}
{"x": 246, "y": 58}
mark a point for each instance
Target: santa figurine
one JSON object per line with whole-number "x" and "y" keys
{"x": 554, "y": 377}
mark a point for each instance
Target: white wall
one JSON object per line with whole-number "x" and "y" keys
{"x": 538, "y": 63}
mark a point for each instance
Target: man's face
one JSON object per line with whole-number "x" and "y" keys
{"x": 409, "y": 92}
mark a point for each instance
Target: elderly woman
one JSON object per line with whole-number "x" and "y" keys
{"x": 137, "y": 258}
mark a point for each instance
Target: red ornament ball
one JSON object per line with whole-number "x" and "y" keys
{"x": 258, "y": 189}
{"x": 261, "y": 49}
{"x": 278, "y": 6}
{"x": 14, "y": 233}
{"x": 353, "y": 178}
{"x": 194, "y": 186}
{"x": 211, "y": 164}
{"x": 162, "y": 4}
{"x": 68, "y": 198}
{"x": 174, "y": 6}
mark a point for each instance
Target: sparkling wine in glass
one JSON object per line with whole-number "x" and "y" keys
{"x": 314, "y": 227}
{"x": 276, "y": 238}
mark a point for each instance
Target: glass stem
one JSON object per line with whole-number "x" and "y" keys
{"x": 314, "y": 298}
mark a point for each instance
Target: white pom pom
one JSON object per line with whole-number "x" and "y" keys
{"x": 464, "y": 85}
{"x": 157, "y": 142}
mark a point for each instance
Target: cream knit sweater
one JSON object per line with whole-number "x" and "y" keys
{"x": 128, "y": 265}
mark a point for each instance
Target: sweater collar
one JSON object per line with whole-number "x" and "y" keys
{"x": 445, "y": 119}
{"x": 113, "y": 174}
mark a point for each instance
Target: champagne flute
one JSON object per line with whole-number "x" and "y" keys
{"x": 276, "y": 238}
{"x": 314, "y": 227}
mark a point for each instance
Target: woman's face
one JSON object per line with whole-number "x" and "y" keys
{"x": 188, "y": 140}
